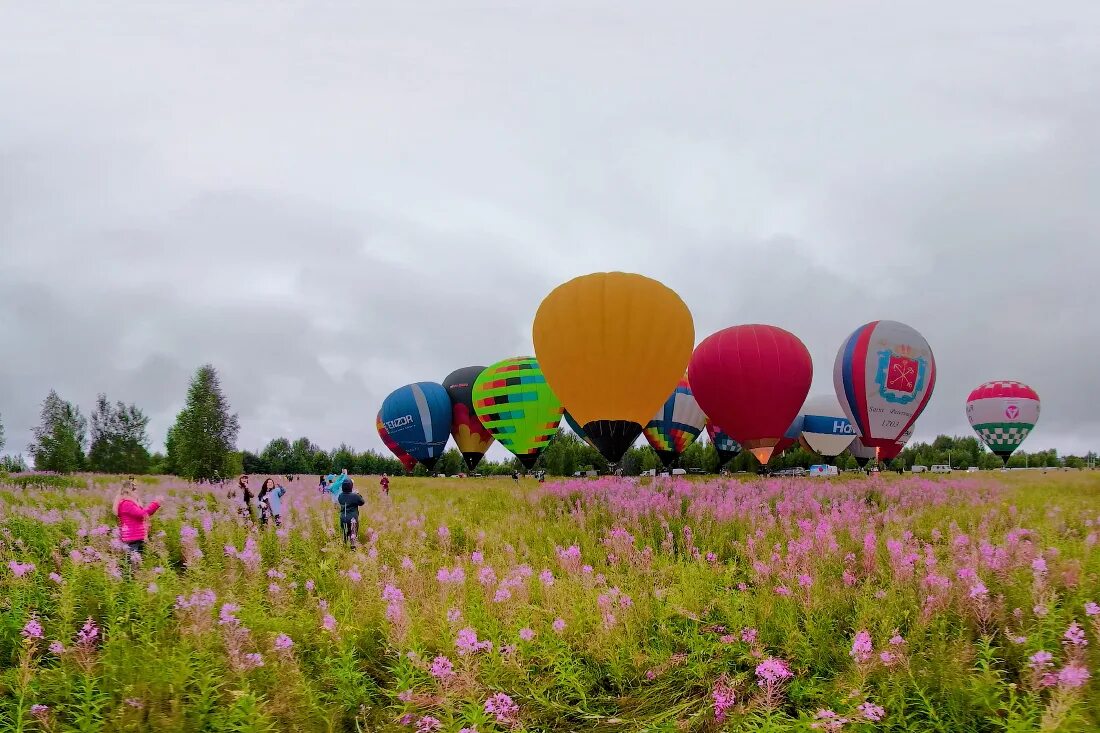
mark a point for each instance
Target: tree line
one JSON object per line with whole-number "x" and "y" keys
{"x": 201, "y": 446}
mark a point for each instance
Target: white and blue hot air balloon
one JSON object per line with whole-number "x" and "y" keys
{"x": 825, "y": 429}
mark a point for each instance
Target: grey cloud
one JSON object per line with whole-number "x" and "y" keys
{"x": 329, "y": 201}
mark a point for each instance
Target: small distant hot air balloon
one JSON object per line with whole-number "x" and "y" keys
{"x": 613, "y": 346}
{"x": 890, "y": 452}
{"x": 752, "y": 380}
{"x": 676, "y": 425}
{"x": 406, "y": 460}
{"x": 514, "y": 403}
{"x": 1003, "y": 414}
{"x": 884, "y": 376}
{"x": 727, "y": 447}
{"x": 862, "y": 453}
{"x": 470, "y": 435}
{"x": 825, "y": 430}
{"x": 577, "y": 429}
{"x": 418, "y": 418}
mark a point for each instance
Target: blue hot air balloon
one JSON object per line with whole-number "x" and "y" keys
{"x": 418, "y": 418}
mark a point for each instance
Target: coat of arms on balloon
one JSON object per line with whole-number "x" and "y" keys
{"x": 900, "y": 376}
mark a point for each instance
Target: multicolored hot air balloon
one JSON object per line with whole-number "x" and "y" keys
{"x": 727, "y": 447}
{"x": 406, "y": 460}
{"x": 1003, "y": 414}
{"x": 676, "y": 425}
{"x": 752, "y": 380}
{"x": 470, "y": 435}
{"x": 613, "y": 346}
{"x": 884, "y": 375}
{"x": 825, "y": 430}
{"x": 514, "y": 403}
{"x": 418, "y": 418}
{"x": 577, "y": 429}
{"x": 862, "y": 453}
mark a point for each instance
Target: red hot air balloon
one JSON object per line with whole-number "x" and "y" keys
{"x": 752, "y": 380}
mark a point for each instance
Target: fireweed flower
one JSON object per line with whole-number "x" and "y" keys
{"x": 1075, "y": 636}
{"x": 56, "y": 647}
{"x": 872, "y": 712}
{"x": 724, "y": 698}
{"x": 33, "y": 629}
{"x": 283, "y": 643}
{"x": 862, "y": 648}
{"x": 526, "y": 634}
{"x": 1041, "y": 660}
{"x": 1092, "y": 609}
{"x": 1073, "y": 676}
{"x": 558, "y": 625}
{"x": 40, "y": 711}
{"x": 773, "y": 670}
{"x": 88, "y": 633}
{"x": 502, "y": 707}
{"x": 428, "y": 724}
{"x": 442, "y": 668}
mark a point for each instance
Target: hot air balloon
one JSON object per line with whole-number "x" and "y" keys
{"x": 613, "y": 346}
{"x": 406, "y": 460}
{"x": 862, "y": 453}
{"x": 676, "y": 425}
{"x": 884, "y": 376}
{"x": 825, "y": 430}
{"x": 727, "y": 447}
{"x": 577, "y": 429}
{"x": 890, "y": 452}
{"x": 752, "y": 380}
{"x": 1003, "y": 414}
{"x": 418, "y": 418}
{"x": 470, "y": 435}
{"x": 789, "y": 438}
{"x": 513, "y": 401}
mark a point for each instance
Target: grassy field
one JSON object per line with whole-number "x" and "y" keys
{"x": 887, "y": 604}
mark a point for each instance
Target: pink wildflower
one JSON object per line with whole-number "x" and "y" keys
{"x": 1092, "y": 609}
{"x": 547, "y": 578}
{"x": 724, "y": 698}
{"x": 40, "y": 711}
{"x": 33, "y": 629}
{"x": 88, "y": 633}
{"x": 1041, "y": 660}
{"x": 1075, "y": 636}
{"x": 428, "y": 724}
{"x": 773, "y": 670}
{"x": 56, "y": 647}
{"x": 1073, "y": 676}
{"x": 748, "y": 635}
{"x": 502, "y": 707}
{"x": 328, "y": 622}
{"x": 526, "y": 634}
{"x": 442, "y": 668}
{"x": 283, "y": 642}
{"x": 558, "y": 625}
{"x": 872, "y": 712}
{"x": 862, "y": 648}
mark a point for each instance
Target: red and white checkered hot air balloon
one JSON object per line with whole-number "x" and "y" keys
{"x": 1003, "y": 414}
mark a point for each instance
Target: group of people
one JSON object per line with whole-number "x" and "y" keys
{"x": 133, "y": 516}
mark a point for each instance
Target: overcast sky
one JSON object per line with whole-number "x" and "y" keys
{"x": 329, "y": 201}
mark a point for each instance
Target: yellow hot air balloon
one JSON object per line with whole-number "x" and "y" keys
{"x": 613, "y": 347}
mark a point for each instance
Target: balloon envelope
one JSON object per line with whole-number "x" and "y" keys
{"x": 613, "y": 346}
{"x": 513, "y": 401}
{"x": 1003, "y": 414}
{"x": 789, "y": 438}
{"x": 577, "y": 429}
{"x": 862, "y": 453}
{"x": 676, "y": 425}
{"x": 884, "y": 375}
{"x": 752, "y": 380}
{"x": 470, "y": 435}
{"x": 418, "y": 418}
{"x": 406, "y": 460}
{"x": 727, "y": 447}
{"x": 825, "y": 429}
{"x": 890, "y": 452}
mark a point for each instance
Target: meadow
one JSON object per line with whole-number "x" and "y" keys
{"x": 958, "y": 603}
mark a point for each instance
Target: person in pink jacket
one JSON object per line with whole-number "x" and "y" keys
{"x": 133, "y": 518}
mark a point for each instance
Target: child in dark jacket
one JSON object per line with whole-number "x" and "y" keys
{"x": 349, "y": 503}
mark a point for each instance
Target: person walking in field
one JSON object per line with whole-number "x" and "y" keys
{"x": 242, "y": 496}
{"x": 385, "y": 484}
{"x": 349, "y": 503}
{"x": 271, "y": 503}
{"x": 133, "y": 517}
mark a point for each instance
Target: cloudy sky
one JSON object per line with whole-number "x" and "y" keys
{"x": 327, "y": 201}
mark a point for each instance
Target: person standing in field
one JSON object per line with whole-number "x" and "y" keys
{"x": 349, "y": 503}
{"x": 245, "y": 497}
{"x": 271, "y": 503}
{"x": 385, "y": 484}
{"x": 515, "y": 476}
{"x": 133, "y": 518}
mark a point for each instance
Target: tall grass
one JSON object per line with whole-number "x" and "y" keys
{"x": 772, "y": 605}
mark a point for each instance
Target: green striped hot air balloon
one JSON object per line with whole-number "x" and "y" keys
{"x": 514, "y": 403}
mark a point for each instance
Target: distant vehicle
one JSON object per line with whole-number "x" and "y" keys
{"x": 678, "y": 472}
{"x": 973, "y": 469}
{"x": 941, "y": 468}
{"x": 823, "y": 470}
{"x": 696, "y": 471}
{"x": 587, "y": 474}
{"x": 650, "y": 472}
{"x": 441, "y": 475}
{"x": 919, "y": 469}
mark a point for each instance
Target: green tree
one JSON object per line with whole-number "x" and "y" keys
{"x": 202, "y": 443}
{"x": 59, "y": 438}
{"x": 120, "y": 441}
{"x": 450, "y": 463}
{"x": 276, "y": 456}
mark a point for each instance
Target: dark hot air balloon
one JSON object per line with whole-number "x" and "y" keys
{"x": 406, "y": 460}
{"x": 676, "y": 425}
{"x": 470, "y": 435}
